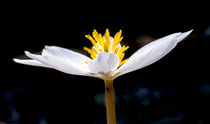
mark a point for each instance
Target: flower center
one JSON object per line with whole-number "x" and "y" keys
{"x": 106, "y": 44}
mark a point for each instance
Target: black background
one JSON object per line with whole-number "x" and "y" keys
{"x": 40, "y": 95}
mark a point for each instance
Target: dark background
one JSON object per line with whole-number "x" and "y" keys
{"x": 174, "y": 90}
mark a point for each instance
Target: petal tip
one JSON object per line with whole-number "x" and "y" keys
{"x": 183, "y": 35}
{"x": 47, "y": 46}
{"x": 15, "y": 60}
{"x": 27, "y": 53}
{"x": 188, "y": 32}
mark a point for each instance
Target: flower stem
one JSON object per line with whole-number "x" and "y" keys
{"x": 110, "y": 105}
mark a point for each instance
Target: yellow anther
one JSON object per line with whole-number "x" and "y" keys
{"x": 93, "y": 41}
{"x": 119, "y": 35}
{"x": 95, "y": 35}
{"x": 101, "y": 41}
{"x": 117, "y": 39}
{"x": 123, "y": 49}
{"x": 98, "y": 38}
{"x": 88, "y": 50}
{"x": 107, "y": 38}
{"x": 121, "y": 56}
{"x": 92, "y": 53}
{"x": 124, "y": 61}
{"x": 94, "y": 50}
{"x": 102, "y": 44}
{"x": 116, "y": 50}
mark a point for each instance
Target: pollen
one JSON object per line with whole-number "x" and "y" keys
{"x": 86, "y": 61}
{"x": 106, "y": 44}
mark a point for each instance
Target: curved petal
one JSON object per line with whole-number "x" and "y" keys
{"x": 63, "y": 60}
{"x": 74, "y": 58}
{"x": 30, "y": 62}
{"x": 57, "y": 64}
{"x": 151, "y": 53}
{"x": 104, "y": 63}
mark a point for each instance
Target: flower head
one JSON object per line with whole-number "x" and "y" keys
{"x": 106, "y": 56}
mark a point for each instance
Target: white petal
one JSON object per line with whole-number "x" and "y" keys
{"x": 56, "y": 60}
{"x": 151, "y": 53}
{"x": 111, "y": 41}
{"x": 182, "y": 36}
{"x": 68, "y": 56}
{"x": 30, "y": 62}
{"x": 104, "y": 63}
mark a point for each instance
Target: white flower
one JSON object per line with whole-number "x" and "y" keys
{"x": 107, "y": 55}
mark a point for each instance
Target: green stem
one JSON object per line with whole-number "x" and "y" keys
{"x": 110, "y": 105}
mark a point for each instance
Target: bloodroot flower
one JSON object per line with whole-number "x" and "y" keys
{"x": 106, "y": 60}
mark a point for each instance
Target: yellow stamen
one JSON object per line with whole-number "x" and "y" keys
{"x": 117, "y": 39}
{"x": 92, "y": 53}
{"x": 93, "y": 41}
{"x": 102, "y": 44}
{"x": 94, "y": 50}
{"x": 86, "y": 62}
{"x": 116, "y": 50}
{"x": 95, "y": 35}
{"x": 121, "y": 56}
{"x": 123, "y": 49}
{"x": 124, "y": 61}
{"x": 117, "y": 36}
{"x": 107, "y": 38}
{"x": 101, "y": 41}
